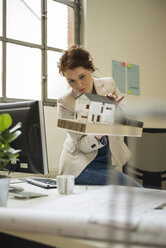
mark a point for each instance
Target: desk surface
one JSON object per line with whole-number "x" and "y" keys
{"x": 52, "y": 239}
{"x": 52, "y": 194}
{"x": 47, "y": 239}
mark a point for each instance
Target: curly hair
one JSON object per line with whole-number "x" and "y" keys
{"x": 75, "y": 57}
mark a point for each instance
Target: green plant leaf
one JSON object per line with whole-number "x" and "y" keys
{"x": 9, "y": 150}
{"x": 8, "y": 137}
{"x": 14, "y": 136}
{"x": 7, "y": 153}
{"x": 5, "y": 122}
{"x": 17, "y": 126}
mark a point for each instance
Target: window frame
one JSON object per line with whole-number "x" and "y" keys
{"x": 75, "y": 4}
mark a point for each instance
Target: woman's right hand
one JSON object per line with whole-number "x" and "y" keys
{"x": 98, "y": 137}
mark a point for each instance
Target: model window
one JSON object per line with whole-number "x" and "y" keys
{"x": 98, "y": 118}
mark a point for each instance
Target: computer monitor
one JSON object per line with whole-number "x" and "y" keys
{"x": 32, "y": 141}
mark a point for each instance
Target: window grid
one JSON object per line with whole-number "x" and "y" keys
{"x": 75, "y": 4}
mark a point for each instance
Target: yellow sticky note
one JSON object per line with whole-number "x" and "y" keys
{"x": 129, "y": 92}
{"x": 128, "y": 65}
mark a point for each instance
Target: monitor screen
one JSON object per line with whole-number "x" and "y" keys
{"x": 32, "y": 141}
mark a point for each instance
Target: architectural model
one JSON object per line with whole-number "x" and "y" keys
{"x": 91, "y": 108}
{"x": 95, "y": 114}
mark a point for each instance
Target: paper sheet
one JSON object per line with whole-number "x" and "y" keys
{"x": 119, "y": 75}
{"x": 107, "y": 213}
{"x": 133, "y": 79}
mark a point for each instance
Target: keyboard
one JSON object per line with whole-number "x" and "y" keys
{"x": 47, "y": 183}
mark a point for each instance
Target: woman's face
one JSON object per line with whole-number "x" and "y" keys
{"x": 80, "y": 79}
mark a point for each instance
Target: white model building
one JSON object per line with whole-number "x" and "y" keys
{"x": 93, "y": 108}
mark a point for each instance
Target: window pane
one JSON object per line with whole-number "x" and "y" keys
{"x": 23, "y": 20}
{"x": 0, "y": 69}
{"x": 57, "y": 84}
{"x": 0, "y": 17}
{"x": 60, "y": 25}
{"x": 23, "y": 72}
{"x": 70, "y": 23}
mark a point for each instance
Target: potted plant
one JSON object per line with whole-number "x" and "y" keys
{"x": 7, "y": 153}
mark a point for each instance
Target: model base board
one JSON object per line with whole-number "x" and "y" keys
{"x": 130, "y": 128}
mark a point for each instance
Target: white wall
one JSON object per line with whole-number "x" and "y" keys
{"x": 55, "y": 138}
{"x": 132, "y": 31}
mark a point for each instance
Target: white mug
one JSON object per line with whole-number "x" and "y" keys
{"x": 65, "y": 184}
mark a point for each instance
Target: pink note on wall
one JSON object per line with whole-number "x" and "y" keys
{"x": 123, "y": 64}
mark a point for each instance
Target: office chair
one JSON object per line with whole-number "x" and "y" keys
{"x": 148, "y": 179}
{"x": 148, "y": 162}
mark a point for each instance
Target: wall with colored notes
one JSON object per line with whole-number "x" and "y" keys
{"x": 127, "y": 40}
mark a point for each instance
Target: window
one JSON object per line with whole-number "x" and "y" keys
{"x": 1, "y": 67}
{"x": 1, "y": 49}
{"x": 33, "y": 36}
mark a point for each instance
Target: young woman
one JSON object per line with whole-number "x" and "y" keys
{"x": 89, "y": 157}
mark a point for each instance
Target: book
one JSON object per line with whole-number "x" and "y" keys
{"x": 126, "y": 128}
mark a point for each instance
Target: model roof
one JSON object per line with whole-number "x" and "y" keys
{"x": 97, "y": 98}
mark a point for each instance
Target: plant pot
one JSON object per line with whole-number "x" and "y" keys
{"x": 4, "y": 189}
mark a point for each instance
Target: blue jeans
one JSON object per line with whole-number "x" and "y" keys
{"x": 98, "y": 172}
{"x": 105, "y": 176}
